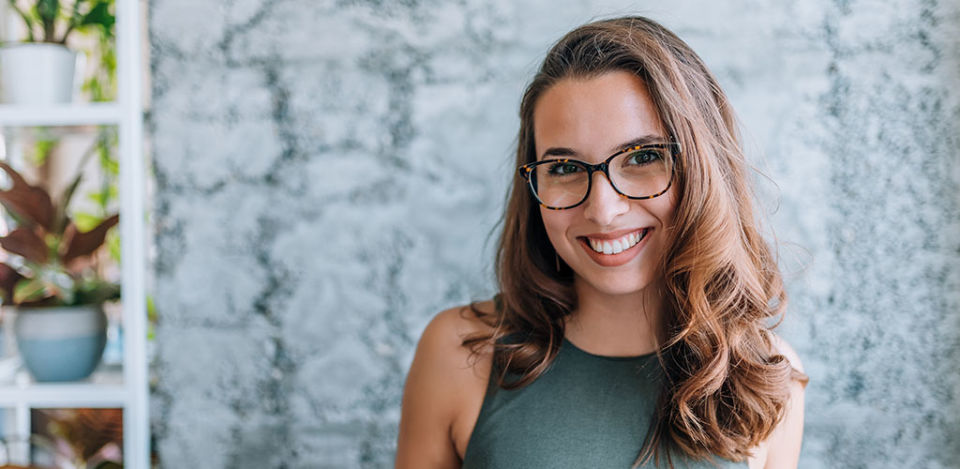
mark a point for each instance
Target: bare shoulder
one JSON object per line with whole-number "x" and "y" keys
{"x": 783, "y": 445}
{"x": 455, "y": 324}
{"x": 444, "y": 384}
{"x": 442, "y": 340}
{"x": 787, "y": 351}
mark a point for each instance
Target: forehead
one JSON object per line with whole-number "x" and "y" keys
{"x": 592, "y": 116}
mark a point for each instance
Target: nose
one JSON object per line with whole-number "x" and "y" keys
{"x": 604, "y": 204}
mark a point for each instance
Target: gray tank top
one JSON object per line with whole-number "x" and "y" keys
{"x": 585, "y": 411}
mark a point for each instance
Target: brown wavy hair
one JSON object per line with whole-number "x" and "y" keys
{"x": 726, "y": 387}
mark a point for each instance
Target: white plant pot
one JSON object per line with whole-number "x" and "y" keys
{"x": 37, "y": 73}
{"x": 61, "y": 343}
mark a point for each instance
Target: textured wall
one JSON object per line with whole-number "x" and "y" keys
{"x": 328, "y": 173}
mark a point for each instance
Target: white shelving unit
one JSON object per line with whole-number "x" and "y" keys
{"x": 73, "y": 114}
{"x": 126, "y": 388}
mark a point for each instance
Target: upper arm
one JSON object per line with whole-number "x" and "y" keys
{"x": 429, "y": 403}
{"x": 785, "y": 441}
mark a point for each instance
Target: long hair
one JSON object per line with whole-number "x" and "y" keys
{"x": 726, "y": 387}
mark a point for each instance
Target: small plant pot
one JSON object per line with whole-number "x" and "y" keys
{"x": 37, "y": 73}
{"x": 61, "y": 344}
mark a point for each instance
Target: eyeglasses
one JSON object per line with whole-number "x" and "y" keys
{"x": 637, "y": 172}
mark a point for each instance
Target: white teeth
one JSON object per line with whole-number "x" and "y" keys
{"x": 618, "y": 245}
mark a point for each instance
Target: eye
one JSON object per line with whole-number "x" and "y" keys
{"x": 562, "y": 169}
{"x": 644, "y": 156}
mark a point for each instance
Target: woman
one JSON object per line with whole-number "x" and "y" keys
{"x": 631, "y": 324}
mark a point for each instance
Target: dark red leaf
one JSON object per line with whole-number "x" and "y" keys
{"x": 8, "y": 278}
{"x": 31, "y": 203}
{"x": 82, "y": 244}
{"x": 25, "y": 243}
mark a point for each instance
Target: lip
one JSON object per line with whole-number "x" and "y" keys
{"x": 613, "y": 234}
{"x": 613, "y": 260}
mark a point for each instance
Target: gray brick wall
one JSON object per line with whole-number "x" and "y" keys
{"x": 328, "y": 174}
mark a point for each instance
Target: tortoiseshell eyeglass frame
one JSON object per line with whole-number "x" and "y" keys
{"x": 527, "y": 169}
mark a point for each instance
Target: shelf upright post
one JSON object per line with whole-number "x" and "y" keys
{"x": 136, "y": 442}
{"x": 20, "y": 449}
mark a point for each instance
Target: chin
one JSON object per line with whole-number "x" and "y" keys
{"x": 616, "y": 285}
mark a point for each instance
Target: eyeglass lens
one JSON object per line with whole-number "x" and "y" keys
{"x": 640, "y": 173}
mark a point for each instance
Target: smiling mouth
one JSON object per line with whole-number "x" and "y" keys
{"x": 616, "y": 246}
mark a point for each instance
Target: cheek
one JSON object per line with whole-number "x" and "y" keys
{"x": 555, "y": 222}
{"x": 664, "y": 208}
{"x": 665, "y": 212}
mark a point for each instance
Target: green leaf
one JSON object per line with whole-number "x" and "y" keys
{"x": 151, "y": 318}
{"x": 75, "y": 15}
{"x": 99, "y": 15}
{"x": 27, "y": 19}
{"x": 42, "y": 150}
{"x": 96, "y": 291}
{"x": 47, "y": 11}
{"x": 111, "y": 192}
{"x": 151, "y": 308}
{"x": 93, "y": 86}
{"x": 29, "y": 290}
{"x": 113, "y": 245}
{"x": 109, "y": 164}
{"x": 86, "y": 221}
{"x": 104, "y": 196}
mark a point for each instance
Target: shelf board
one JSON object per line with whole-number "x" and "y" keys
{"x": 68, "y": 114}
{"x": 102, "y": 389}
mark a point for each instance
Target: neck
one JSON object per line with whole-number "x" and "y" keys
{"x": 616, "y": 325}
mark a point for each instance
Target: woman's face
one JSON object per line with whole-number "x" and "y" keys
{"x": 589, "y": 120}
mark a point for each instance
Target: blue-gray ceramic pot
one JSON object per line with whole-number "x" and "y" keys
{"x": 61, "y": 343}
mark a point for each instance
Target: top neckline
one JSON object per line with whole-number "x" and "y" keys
{"x": 609, "y": 357}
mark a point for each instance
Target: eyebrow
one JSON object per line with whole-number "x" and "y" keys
{"x": 646, "y": 139}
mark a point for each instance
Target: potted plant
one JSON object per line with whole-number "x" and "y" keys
{"x": 81, "y": 438}
{"x": 51, "y": 283}
{"x": 41, "y": 69}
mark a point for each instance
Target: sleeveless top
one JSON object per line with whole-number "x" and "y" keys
{"x": 585, "y": 411}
